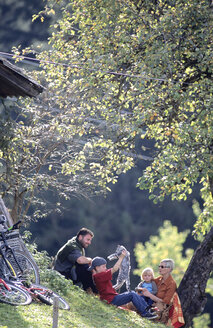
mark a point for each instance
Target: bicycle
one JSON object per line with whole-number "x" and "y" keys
{"x": 15, "y": 263}
{"x": 42, "y": 294}
{"x": 13, "y": 295}
{"x": 19, "y": 272}
{"x": 22, "y": 293}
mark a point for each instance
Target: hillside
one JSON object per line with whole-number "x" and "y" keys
{"x": 86, "y": 312}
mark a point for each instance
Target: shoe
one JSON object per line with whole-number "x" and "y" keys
{"x": 150, "y": 316}
{"x": 148, "y": 308}
{"x": 153, "y": 310}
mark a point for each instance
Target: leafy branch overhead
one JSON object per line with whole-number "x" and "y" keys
{"x": 118, "y": 72}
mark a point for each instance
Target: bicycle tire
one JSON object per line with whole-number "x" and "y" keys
{"x": 6, "y": 270}
{"x": 46, "y": 296}
{"x": 14, "y": 296}
{"x": 29, "y": 270}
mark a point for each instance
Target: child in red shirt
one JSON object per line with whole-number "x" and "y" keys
{"x": 103, "y": 281}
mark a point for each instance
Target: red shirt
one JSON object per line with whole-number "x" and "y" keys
{"x": 104, "y": 285}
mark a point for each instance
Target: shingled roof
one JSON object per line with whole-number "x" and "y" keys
{"x": 13, "y": 82}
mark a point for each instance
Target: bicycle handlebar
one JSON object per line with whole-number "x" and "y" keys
{"x": 14, "y": 226}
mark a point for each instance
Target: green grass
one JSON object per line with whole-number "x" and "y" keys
{"x": 86, "y": 312}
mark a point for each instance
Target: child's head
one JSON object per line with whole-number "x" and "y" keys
{"x": 98, "y": 265}
{"x": 147, "y": 274}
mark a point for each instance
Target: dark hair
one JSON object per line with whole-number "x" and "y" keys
{"x": 84, "y": 232}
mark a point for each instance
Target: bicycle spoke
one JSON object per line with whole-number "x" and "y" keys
{"x": 14, "y": 295}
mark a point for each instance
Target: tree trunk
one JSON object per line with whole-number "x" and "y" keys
{"x": 4, "y": 211}
{"x": 192, "y": 287}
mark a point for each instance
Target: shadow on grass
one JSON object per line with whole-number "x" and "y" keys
{"x": 86, "y": 311}
{"x": 19, "y": 316}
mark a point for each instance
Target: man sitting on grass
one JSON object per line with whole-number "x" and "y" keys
{"x": 103, "y": 281}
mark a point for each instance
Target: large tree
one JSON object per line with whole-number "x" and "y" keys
{"x": 140, "y": 68}
{"x": 42, "y": 139}
{"x": 120, "y": 70}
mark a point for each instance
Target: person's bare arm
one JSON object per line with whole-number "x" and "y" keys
{"x": 76, "y": 257}
{"x": 118, "y": 263}
{"x": 84, "y": 260}
{"x": 150, "y": 295}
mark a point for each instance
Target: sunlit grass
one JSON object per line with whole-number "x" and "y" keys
{"x": 86, "y": 312}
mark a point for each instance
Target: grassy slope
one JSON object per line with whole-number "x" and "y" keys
{"x": 86, "y": 312}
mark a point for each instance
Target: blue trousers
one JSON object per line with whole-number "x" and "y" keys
{"x": 148, "y": 300}
{"x": 138, "y": 301}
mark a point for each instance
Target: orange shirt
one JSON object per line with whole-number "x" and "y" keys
{"x": 166, "y": 289}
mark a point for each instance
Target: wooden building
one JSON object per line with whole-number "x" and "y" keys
{"x": 14, "y": 83}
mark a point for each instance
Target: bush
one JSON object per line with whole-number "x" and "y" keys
{"x": 48, "y": 276}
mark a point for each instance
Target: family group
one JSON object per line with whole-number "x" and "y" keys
{"x": 94, "y": 277}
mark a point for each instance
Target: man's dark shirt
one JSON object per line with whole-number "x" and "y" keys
{"x": 68, "y": 255}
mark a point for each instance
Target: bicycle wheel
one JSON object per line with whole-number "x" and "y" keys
{"x": 6, "y": 270}
{"x": 29, "y": 270}
{"x": 46, "y": 296}
{"x": 14, "y": 295}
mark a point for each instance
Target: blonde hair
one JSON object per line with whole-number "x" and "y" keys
{"x": 147, "y": 270}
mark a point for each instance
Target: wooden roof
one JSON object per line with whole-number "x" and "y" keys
{"x": 13, "y": 82}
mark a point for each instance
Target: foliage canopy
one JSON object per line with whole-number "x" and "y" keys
{"x": 118, "y": 70}
{"x": 169, "y": 244}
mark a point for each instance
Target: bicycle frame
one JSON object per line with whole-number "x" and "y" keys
{"x": 13, "y": 295}
{"x": 4, "y": 249}
{"x": 17, "y": 263}
{"x": 9, "y": 266}
{"x": 5, "y": 284}
{"x": 31, "y": 289}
